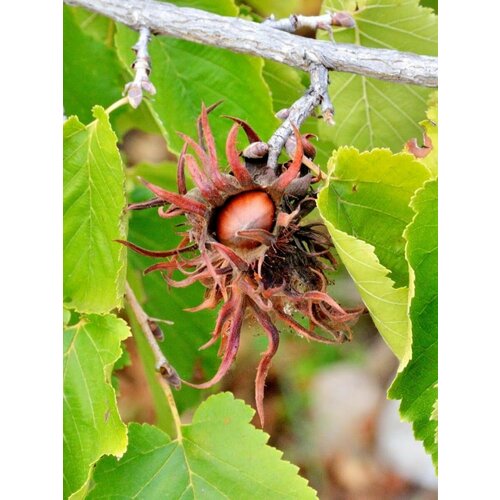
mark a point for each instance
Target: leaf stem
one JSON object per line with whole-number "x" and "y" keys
{"x": 173, "y": 407}
{"x": 117, "y": 104}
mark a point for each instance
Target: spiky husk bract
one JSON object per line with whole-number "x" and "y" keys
{"x": 248, "y": 246}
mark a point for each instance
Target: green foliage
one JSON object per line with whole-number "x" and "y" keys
{"x": 416, "y": 385}
{"x": 220, "y": 455}
{"x": 94, "y": 200}
{"x": 91, "y": 70}
{"x": 359, "y": 221}
{"x": 92, "y": 426}
{"x": 371, "y": 113}
{"x": 365, "y": 206}
{"x": 369, "y": 195}
{"x": 280, "y": 8}
{"x": 433, "y": 4}
{"x": 221, "y": 7}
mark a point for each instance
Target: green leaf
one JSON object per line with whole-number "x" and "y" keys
{"x": 365, "y": 207}
{"x": 387, "y": 305}
{"x": 161, "y": 174}
{"x": 219, "y": 456}
{"x": 416, "y": 385}
{"x": 221, "y": 7}
{"x": 284, "y": 83}
{"x": 91, "y": 71}
{"x": 99, "y": 27}
{"x": 94, "y": 202}
{"x": 280, "y": 8}
{"x": 189, "y": 74}
{"x": 433, "y": 4}
{"x": 368, "y": 196}
{"x": 371, "y": 113}
{"x": 91, "y": 424}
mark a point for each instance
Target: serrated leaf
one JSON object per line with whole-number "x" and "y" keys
{"x": 91, "y": 424}
{"x": 220, "y": 456}
{"x": 387, "y": 305}
{"x": 91, "y": 70}
{"x": 94, "y": 203}
{"x": 416, "y": 385}
{"x": 368, "y": 196}
{"x": 371, "y": 113}
{"x": 365, "y": 207}
{"x": 433, "y": 4}
{"x": 189, "y": 74}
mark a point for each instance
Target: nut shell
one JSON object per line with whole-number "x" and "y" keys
{"x": 248, "y": 210}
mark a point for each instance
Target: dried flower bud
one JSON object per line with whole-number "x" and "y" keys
{"x": 156, "y": 330}
{"x": 256, "y": 150}
{"x": 343, "y": 19}
{"x": 282, "y": 114}
{"x": 309, "y": 149}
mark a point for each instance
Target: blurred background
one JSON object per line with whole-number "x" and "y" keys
{"x": 325, "y": 406}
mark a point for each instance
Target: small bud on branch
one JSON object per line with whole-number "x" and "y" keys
{"x": 142, "y": 68}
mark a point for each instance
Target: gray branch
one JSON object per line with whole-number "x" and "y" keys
{"x": 166, "y": 370}
{"x": 247, "y": 37}
{"x": 317, "y": 95}
{"x": 142, "y": 68}
{"x": 323, "y": 22}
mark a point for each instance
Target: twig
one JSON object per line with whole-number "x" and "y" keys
{"x": 324, "y": 22}
{"x": 167, "y": 371}
{"x": 316, "y": 95}
{"x": 240, "y": 35}
{"x": 142, "y": 68}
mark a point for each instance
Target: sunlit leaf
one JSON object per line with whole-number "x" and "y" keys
{"x": 92, "y": 426}
{"x": 219, "y": 456}
{"x": 368, "y": 196}
{"x": 94, "y": 202}
{"x": 365, "y": 207}
{"x": 416, "y": 385}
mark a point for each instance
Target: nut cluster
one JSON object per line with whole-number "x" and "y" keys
{"x": 247, "y": 245}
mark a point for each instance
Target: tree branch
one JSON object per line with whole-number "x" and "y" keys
{"x": 247, "y": 37}
{"x": 317, "y": 95}
{"x": 167, "y": 371}
{"x": 142, "y": 68}
{"x": 323, "y": 22}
